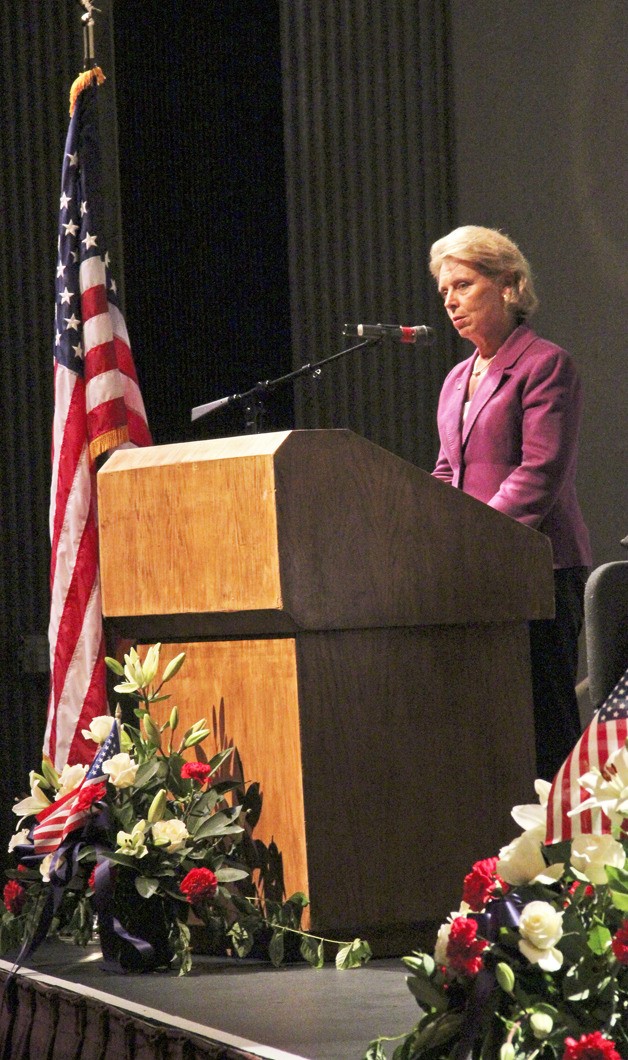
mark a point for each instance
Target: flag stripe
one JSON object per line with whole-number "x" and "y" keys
{"x": 66, "y": 814}
{"x": 606, "y": 734}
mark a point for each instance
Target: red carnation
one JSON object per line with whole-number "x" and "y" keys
{"x": 590, "y": 1047}
{"x": 481, "y": 883}
{"x": 14, "y": 897}
{"x": 620, "y": 943}
{"x": 195, "y": 771}
{"x": 198, "y": 885}
{"x": 88, "y": 795}
{"x": 91, "y": 883}
{"x": 464, "y": 950}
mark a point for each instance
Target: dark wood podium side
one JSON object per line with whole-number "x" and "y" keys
{"x": 359, "y": 631}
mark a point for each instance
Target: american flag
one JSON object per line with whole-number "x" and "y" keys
{"x": 72, "y": 810}
{"x": 97, "y": 407}
{"x": 607, "y": 733}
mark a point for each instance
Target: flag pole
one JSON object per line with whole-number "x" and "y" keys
{"x": 91, "y": 69}
{"x": 88, "y": 34}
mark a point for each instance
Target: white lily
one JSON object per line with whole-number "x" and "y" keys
{"x": 132, "y": 843}
{"x": 17, "y": 839}
{"x": 608, "y": 787}
{"x": 533, "y": 815}
{"x": 151, "y": 663}
{"x": 33, "y": 803}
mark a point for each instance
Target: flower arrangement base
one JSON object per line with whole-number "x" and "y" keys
{"x": 141, "y": 939}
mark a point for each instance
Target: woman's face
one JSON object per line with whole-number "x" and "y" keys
{"x": 476, "y": 305}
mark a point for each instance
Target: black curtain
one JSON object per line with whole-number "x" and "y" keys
{"x": 40, "y": 54}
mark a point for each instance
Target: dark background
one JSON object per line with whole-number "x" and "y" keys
{"x": 203, "y": 206}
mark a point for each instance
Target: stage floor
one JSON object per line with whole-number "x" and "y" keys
{"x": 274, "y": 1013}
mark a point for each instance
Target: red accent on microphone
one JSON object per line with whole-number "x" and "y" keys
{"x": 408, "y": 334}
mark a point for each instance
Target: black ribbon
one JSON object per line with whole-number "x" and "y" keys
{"x": 110, "y": 929}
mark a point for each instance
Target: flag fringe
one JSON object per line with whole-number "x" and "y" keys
{"x": 83, "y": 81}
{"x": 106, "y": 441}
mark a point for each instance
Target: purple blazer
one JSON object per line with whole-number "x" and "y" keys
{"x": 517, "y": 448}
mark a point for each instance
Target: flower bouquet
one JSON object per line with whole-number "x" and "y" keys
{"x": 139, "y": 841}
{"x": 535, "y": 961}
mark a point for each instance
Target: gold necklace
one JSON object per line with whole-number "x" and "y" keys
{"x": 480, "y": 371}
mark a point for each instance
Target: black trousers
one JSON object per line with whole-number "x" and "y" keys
{"x": 554, "y": 658}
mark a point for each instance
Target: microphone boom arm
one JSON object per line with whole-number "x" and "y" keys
{"x": 253, "y": 399}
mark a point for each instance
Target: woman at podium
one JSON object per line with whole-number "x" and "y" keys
{"x": 508, "y": 421}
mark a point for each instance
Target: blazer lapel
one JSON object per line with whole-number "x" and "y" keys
{"x": 483, "y": 394}
{"x": 505, "y": 360}
{"x": 454, "y": 420}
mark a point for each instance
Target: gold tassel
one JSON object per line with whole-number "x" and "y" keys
{"x": 83, "y": 81}
{"x": 107, "y": 441}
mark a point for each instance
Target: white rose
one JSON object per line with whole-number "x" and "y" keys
{"x": 172, "y": 832}
{"x": 440, "y": 949}
{"x": 99, "y": 728}
{"x": 521, "y": 860}
{"x": 17, "y": 839}
{"x": 590, "y": 853}
{"x": 541, "y": 927}
{"x": 70, "y": 778}
{"x": 121, "y": 769}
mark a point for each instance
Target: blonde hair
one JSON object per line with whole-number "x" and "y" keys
{"x": 492, "y": 253}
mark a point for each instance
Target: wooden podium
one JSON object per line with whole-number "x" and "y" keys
{"x": 359, "y": 631}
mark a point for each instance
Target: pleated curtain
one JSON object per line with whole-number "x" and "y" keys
{"x": 370, "y": 185}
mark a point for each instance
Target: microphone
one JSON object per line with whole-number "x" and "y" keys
{"x": 420, "y": 334}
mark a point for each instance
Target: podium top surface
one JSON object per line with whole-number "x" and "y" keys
{"x": 238, "y": 447}
{"x": 305, "y": 530}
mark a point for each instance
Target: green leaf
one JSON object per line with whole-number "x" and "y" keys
{"x": 426, "y": 993}
{"x": 439, "y": 1032}
{"x": 218, "y": 824}
{"x": 241, "y": 938}
{"x": 618, "y": 882}
{"x": 121, "y": 859}
{"x": 599, "y": 939}
{"x": 219, "y": 758}
{"x": 375, "y": 1051}
{"x": 146, "y": 772}
{"x": 276, "y": 947}
{"x": 86, "y": 852}
{"x": 619, "y": 900}
{"x": 300, "y": 900}
{"x": 229, "y": 875}
{"x": 353, "y": 955}
{"x": 313, "y": 951}
{"x": 422, "y": 963}
{"x": 147, "y": 886}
